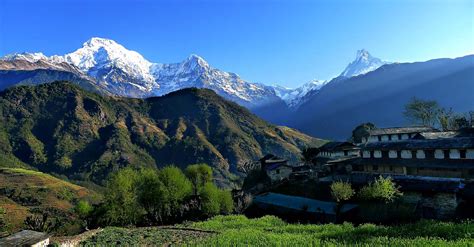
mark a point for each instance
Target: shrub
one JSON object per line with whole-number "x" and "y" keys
{"x": 382, "y": 189}
{"x": 341, "y": 191}
{"x": 199, "y": 175}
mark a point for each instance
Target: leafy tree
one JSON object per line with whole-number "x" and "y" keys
{"x": 152, "y": 195}
{"x": 425, "y": 112}
{"x": 341, "y": 192}
{"x": 226, "y": 202}
{"x": 199, "y": 175}
{"x": 382, "y": 189}
{"x": 210, "y": 200}
{"x": 178, "y": 187}
{"x": 362, "y": 131}
{"x": 41, "y": 223}
{"x": 120, "y": 202}
{"x": 3, "y": 224}
{"x": 84, "y": 210}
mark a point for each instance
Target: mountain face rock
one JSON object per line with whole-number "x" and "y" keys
{"x": 62, "y": 128}
{"x": 380, "y": 96}
{"x": 127, "y": 73}
{"x": 363, "y": 64}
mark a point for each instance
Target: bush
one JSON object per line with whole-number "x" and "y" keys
{"x": 199, "y": 175}
{"x": 382, "y": 189}
{"x": 341, "y": 191}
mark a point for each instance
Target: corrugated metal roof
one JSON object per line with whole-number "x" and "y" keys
{"x": 24, "y": 238}
{"x": 401, "y": 130}
{"x": 300, "y": 203}
{"x": 334, "y": 146}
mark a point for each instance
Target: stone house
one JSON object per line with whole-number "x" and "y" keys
{"x": 276, "y": 169}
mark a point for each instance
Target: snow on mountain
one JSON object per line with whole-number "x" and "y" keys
{"x": 127, "y": 73}
{"x": 364, "y": 63}
{"x": 295, "y": 97}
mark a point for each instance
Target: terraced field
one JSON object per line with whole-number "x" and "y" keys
{"x": 271, "y": 231}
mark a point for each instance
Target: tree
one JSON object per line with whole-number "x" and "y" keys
{"x": 152, "y": 195}
{"x": 362, "y": 131}
{"x": 199, "y": 175}
{"x": 382, "y": 189}
{"x": 210, "y": 200}
{"x": 84, "y": 210}
{"x": 341, "y": 192}
{"x": 120, "y": 200}
{"x": 226, "y": 202}
{"x": 178, "y": 187}
{"x": 425, "y": 112}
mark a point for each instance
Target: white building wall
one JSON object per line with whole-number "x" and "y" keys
{"x": 377, "y": 154}
{"x": 373, "y": 139}
{"x": 454, "y": 154}
{"x": 470, "y": 154}
{"x": 439, "y": 154}
{"x": 406, "y": 154}
{"x": 392, "y": 154}
{"x": 405, "y": 136}
{"x": 394, "y": 137}
{"x": 420, "y": 154}
{"x": 385, "y": 138}
{"x": 366, "y": 154}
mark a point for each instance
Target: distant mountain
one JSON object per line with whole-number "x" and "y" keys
{"x": 379, "y": 96}
{"x": 295, "y": 97}
{"x": 363, "y": 64}
{"x": 127, "y": 73}
{"x": 61, "y": 128}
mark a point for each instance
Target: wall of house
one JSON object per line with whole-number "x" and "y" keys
{"x": 470, "y": 154}
{"x": 432, "y": 172}
{"x": 443, "y": 205}
{"x": 385, "y": 169}
{"x": 279, "y": 173}
{"x": 43, "y": 243}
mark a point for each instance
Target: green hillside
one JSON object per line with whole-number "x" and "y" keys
{"x": 26, "y": 192}
{"x": 61, "y": 128}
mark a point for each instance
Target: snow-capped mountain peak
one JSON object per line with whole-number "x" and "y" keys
{"x": 363, "y": 63}
{"x": 295, "y": 97}
{"x": 30, "y": 57}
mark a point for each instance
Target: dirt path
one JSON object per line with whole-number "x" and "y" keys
{"x": 73, "y": 241}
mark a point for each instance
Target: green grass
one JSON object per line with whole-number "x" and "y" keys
{"x": 237, "y": 230}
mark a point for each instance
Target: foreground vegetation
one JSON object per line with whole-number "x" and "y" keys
{"x": 237, "y": 230}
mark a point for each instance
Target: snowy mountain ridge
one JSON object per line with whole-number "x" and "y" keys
{"x": 127, "y": 73}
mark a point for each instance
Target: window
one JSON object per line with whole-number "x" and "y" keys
{"x": 390, "y": 168}
{"x": 462, "y": 153}
{"x": 379, "y": 138}
{"x": 345, "y": 153}
{"x": 389, "y": 137}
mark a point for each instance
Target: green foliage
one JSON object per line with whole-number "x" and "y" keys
{"x": 177, "y": 186}
{"x": 120, "y": 198}
{"x": 425, "y": 112}
{"x": 226, "y": 202}
{"x": 83, "y": 209}
{"x": 210, "y": 196}
{"x": 199, "y": 175}
{"x": 271, "y": 231}
{"x": 64, "y": 129}
{"x": 3, "y": 224}
{"x": 341, "y": 191}
{"x": 152, "y": 195}
{"x": 382, "y": 189}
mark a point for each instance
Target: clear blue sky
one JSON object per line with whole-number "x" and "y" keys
{"x": 288, "y": 42}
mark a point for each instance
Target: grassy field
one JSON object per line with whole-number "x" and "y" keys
{"x": 271, "y": 231}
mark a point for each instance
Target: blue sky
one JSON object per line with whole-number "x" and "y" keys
{"x": 286, "y": 42}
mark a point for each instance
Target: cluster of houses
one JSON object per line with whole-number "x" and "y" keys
{"x": 432, "y": 167}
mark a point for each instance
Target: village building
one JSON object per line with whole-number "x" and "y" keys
{"x": 276, "y": 169}
{"x": 26, "y": 238}
{"x": 441, "y": 157}
{"x": 336, "y": 157}
{"x": 395, "y": 134}
{"x": 287, "y": 206}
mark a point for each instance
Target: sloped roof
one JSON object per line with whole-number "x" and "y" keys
{"x": 441, "y": 143}
{"x": 467, "y": 132}
{"x": 300, "y": 203}
{"x": 334, "y": 146}
{"x": 401, "y": 130}
{"x": 24, "y": 238}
